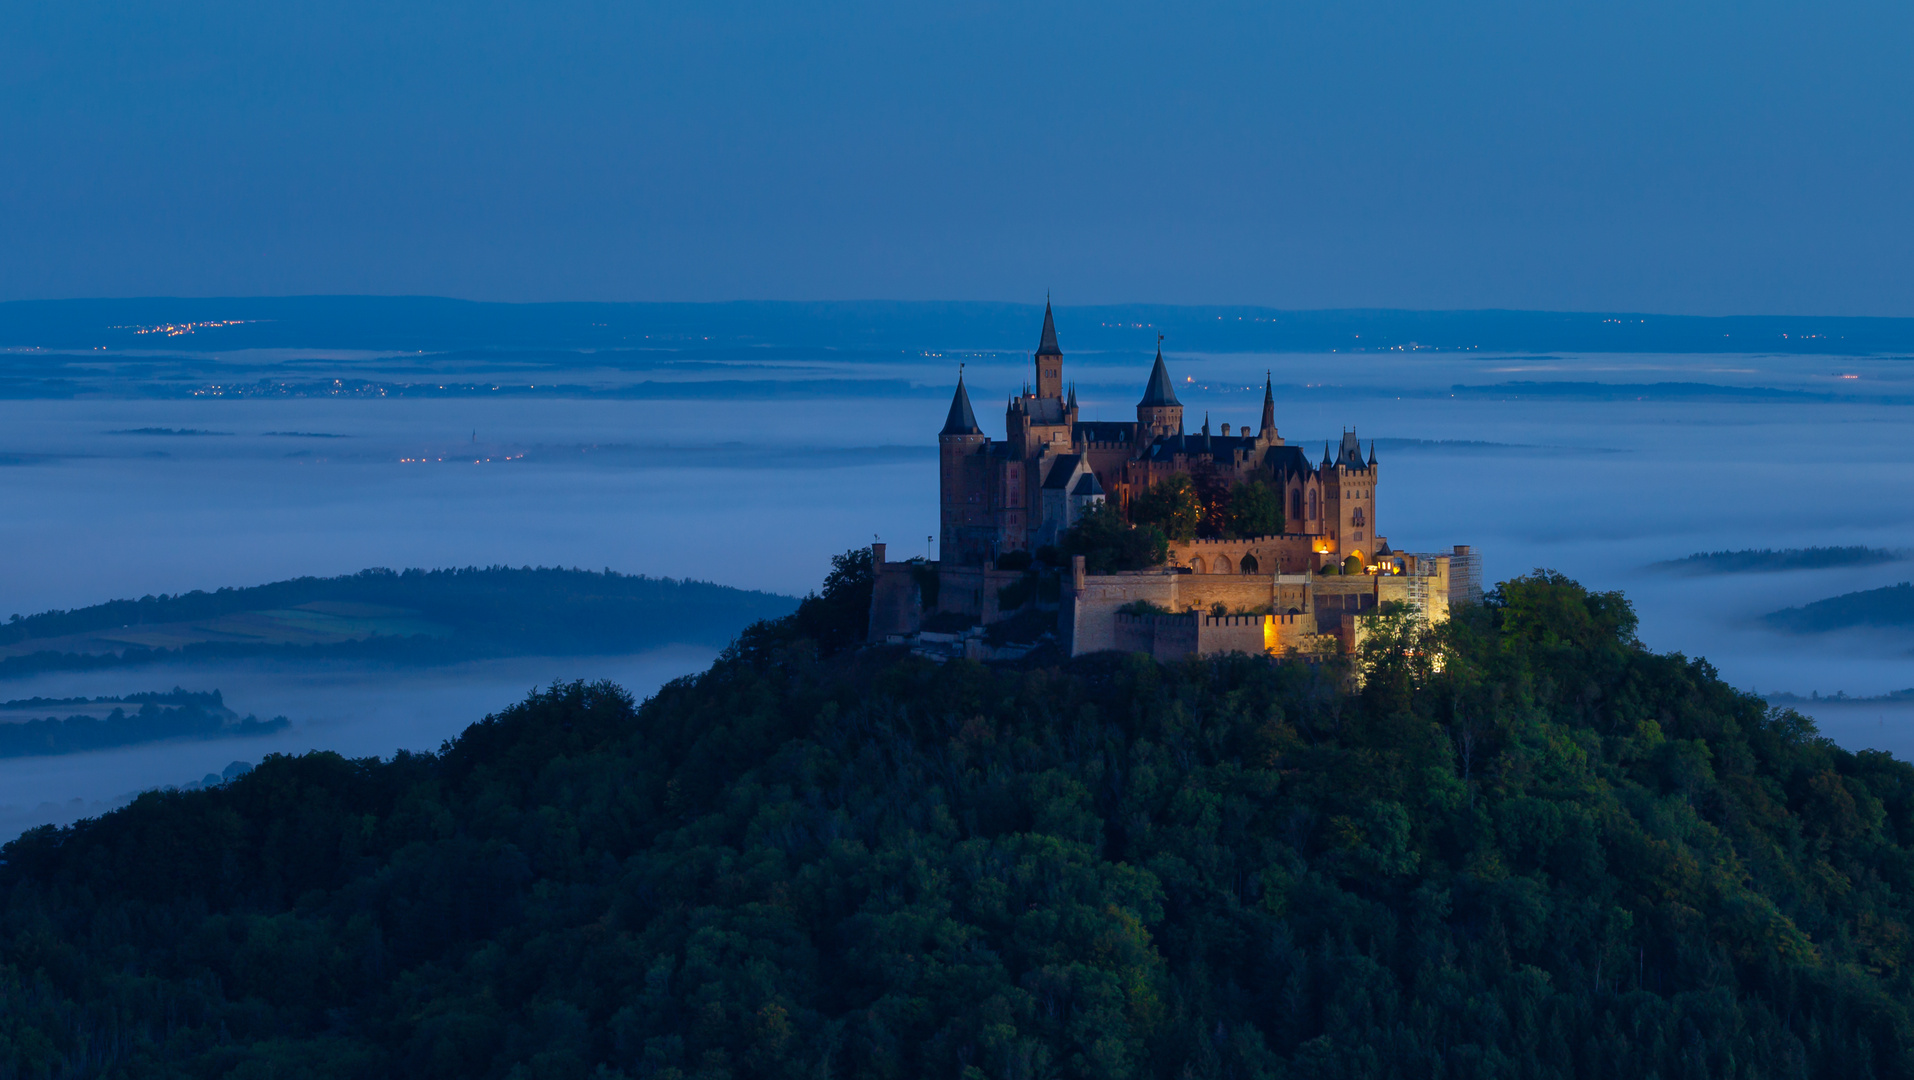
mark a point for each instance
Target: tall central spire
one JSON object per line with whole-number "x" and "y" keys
{"x": 1049, "y": 358}
{"x": 1269, "y": 405}
{"x": 1048, "y": 346}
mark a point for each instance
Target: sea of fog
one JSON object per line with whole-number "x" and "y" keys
{"x": 109, "y": 497}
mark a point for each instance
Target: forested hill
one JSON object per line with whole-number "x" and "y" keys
{"x": 431, "y": 615}
{"x": 1525, "y": 847}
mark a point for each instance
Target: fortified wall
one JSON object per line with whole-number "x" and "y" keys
{"x": 1169, "y": 612}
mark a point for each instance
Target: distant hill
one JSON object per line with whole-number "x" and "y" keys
{"x": 1767, "y": 560}
{"x": 1784, "y": 697}
{"x": 414, "y": 615}
{"x": 1890, "y": 606}
{"x": 43, "y": 726}
{"x": 438, "y": 324}
{"x": 1525, "y": 847}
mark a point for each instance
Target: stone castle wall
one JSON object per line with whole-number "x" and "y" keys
{"x": 1290, "y": 553}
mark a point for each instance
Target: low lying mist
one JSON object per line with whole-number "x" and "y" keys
{"x": 1628, "y": 461}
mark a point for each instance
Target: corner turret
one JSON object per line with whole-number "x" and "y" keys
{"x": 962, "y": 450}
{"x": 962, "y": 420}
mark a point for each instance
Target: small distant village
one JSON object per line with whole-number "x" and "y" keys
{"x": 1259, "y": 549}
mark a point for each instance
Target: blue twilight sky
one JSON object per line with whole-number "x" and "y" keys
{"x": 1709, "y": 158}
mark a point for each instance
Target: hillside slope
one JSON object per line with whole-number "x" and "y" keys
{"x": 1891, "y": 605}
{"x": 415, "y": 615}
{"x": 1526, "y": 848}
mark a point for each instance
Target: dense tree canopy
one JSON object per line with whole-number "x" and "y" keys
{"x": 1520, "y": 845}
{"x": 1255, "y": 509}
{"x": 1108, "y": 543}
{"x": 1207, "y": 504}
{"x": 1172, "y": 505}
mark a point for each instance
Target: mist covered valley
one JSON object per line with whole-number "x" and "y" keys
{"x": 764, "y": 465}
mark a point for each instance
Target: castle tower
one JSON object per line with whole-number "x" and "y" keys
{"x": 1349, "y": 487}
{"x": 962, "y": 483}
{"x": 1159, "y": 413}
{"x": 1269, "y": 410}
{"x": 1049, "y": 359}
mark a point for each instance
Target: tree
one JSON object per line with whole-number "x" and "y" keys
{"x": 1172, "y": 505}
{"x": 1108, "y": 543}
{"x": 1255, "y": 509}
{"x": 1212, "y": 486}
{"x": 1352, "y": 565}
{"x": 840, "y": 616}
{"x": 1513, "y": 842}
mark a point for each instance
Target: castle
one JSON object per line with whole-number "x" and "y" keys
{"x": 1000, "y": 500}
{"x": 1021, "y": 492}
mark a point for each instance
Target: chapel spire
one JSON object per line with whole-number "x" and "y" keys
{"x": 1269, "y": 406}
{"x": 1049, "y": 358}
{"x": 1047, "y": 346}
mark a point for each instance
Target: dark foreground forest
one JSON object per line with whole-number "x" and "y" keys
{"x": 1525, "y": 847}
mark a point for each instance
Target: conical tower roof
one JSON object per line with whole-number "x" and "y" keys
{"x": 1159, "y": 391}
{"x": 1269, "y": 403}
{"x": 961, "y": 421}
{"x": 1048, "y": 346}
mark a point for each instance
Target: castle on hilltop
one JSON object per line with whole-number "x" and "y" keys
{"x": 1023, "y": 491}
{"x": 1308, "y": 589}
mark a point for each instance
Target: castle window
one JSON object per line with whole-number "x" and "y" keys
{"x": 1357, "y": 518}
{"x": 1312, "y": 504}
{"x": 1296, "y": 503}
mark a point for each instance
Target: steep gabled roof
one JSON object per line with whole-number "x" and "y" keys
{"x": 1048, "y": 346}
{"x": 1289, "y": 461}
{"x": 961, "y": 421}
{"x": 1351, "y": 451}
{"x": 1159, "y": 391}
{"x": 1062, "y": 470}
{"x": 1105, "y": 431}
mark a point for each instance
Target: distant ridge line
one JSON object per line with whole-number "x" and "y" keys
{"x": 441, "y": 323}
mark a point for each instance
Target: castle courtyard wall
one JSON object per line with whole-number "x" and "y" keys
{"x": 1289, "y": 553}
